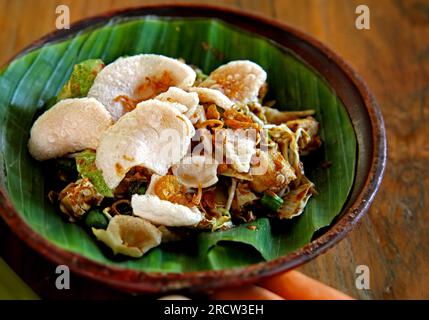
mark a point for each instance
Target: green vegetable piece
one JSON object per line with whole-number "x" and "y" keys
{"x": 220, "y": 221}
{"x": 272, "y": 202}
{"x": 142, "y": 190}
{"x": 136, "y": 187}
{"x": 96, "y": 219}
{"x": 81, "y": 79}
{"x": 201, "y": 76}
{"x": 66, "y": 164}
{"x": 85, "y": 163}
{"x": 65, "y": 169}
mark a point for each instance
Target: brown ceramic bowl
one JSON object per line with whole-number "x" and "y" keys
{"x": 371, "y": 160}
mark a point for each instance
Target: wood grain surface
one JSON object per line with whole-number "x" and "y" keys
{"x": 392, "y": 57}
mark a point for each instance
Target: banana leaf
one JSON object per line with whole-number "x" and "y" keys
{"x": 31, "y": 80}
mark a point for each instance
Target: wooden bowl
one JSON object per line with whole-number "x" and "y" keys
{"x": 371, "y": 160}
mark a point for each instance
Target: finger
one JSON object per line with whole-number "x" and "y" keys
{"x": 294, "y": 285}
{"x": 245, "y": 293}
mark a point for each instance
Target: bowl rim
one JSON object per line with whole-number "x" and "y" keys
{"x": 140, "y": 281}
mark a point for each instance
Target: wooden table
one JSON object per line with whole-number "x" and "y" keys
{"x": 393, "y": 58}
